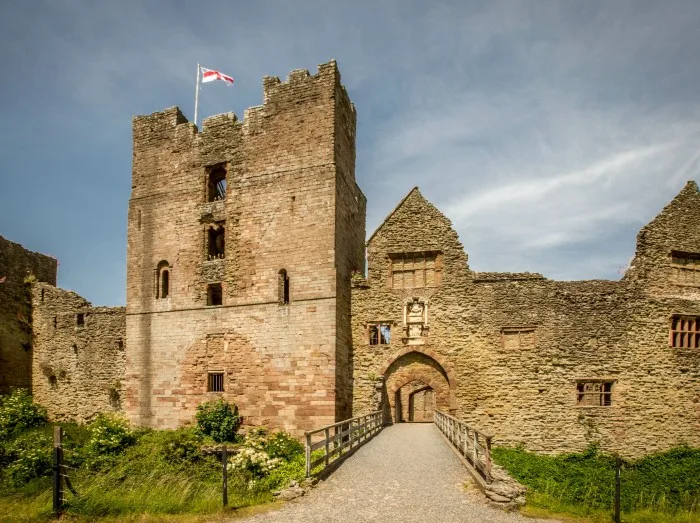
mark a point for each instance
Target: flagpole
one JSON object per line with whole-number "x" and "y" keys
{"x": 196, "y": 96}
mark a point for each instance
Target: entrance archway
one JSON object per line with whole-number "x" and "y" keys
{"x": 411, "y": 379}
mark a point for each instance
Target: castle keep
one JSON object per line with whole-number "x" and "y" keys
{"x": 246, "y": 280}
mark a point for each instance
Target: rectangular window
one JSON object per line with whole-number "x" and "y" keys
{"x": 215, "y": 382}
{"x": 517, "y": 337}
{"x": 415, "y": 270}
{"x": 216, "y": 241}
{"x": 216, "y": 182}
{"x": 80, "y": 319}
{"x": 594, "y": 393}
{"x": 685, "y": 332}
{"x": 685, "y": 268}
{"x": 214, "y": 294}
{"x": 379, "y": 334}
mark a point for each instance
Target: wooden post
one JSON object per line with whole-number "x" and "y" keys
{"x": 57, "y": 466}
{"x": 327, "y": 434}
{"x": 475, "y": 442}
{"x": 308, "y": 455}
{"x": 465, "y": 447}
{"x": 618, "y": 469}
{"x": 224, "y": 467}
{"x": 487, "y": 459}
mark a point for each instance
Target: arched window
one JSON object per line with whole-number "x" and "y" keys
{"x": 163, "y": 280}
{"x": 283, "y": 287}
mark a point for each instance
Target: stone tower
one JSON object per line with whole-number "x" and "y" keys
{"x": 242, "y": 239}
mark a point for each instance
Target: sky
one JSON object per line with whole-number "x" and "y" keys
{"x": 549, "y": 132}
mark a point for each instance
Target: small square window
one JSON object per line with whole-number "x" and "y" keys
{"x": 379, "y": 334}
{"x": 214, "y": 294}
{"x": 215, "y": 382}
{"x": 594, "y": 393}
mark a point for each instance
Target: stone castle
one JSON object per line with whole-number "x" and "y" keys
{"x": 246, "y": 280}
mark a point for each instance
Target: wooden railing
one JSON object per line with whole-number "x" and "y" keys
{"x": 473, "y": 444}
{"x": 339, "y": 437}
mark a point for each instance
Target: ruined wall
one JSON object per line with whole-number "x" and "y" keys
{"x": 16, "y": 264}
{"x": 78, "y": 359}
{"x": 515, "y": 346}
{"x": 285, "y": 165}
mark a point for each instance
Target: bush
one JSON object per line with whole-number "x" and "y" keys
{"x": 109, "y": 435}
{"x": 182, "y": 446}
{"x": 28, "y": 456}
{"x": 218, "y": 420}
{"x": 262, "y": 455}
{"x": 282, "y": 445}
{"x": 18, "y": 412}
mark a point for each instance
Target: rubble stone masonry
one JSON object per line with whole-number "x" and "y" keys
{"x": 518, "y": 350}
{"x": 78, "y": 368}
{"x": 246, "y": 281}
{"x": 18, "y": 267}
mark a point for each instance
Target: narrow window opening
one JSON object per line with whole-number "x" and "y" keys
{"x": 215, "y": 382}
{"x": 216, "y": 184}
{"x": 214, "y": 294}
{"x": 120, "y": 344}
{"x": 139, "y": 220}
{"x": 55, "y": 322}
{"x": 75, "y": 348}
{"x": 165, "y": 284}
{"x": 162, "y": 280}
{"x": 42, "y": 294}
{"x": 283, "y": 287}
{"x": 80, "y": 319}
{"x": 216, "y": 241}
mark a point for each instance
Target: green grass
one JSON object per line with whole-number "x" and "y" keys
{"x": 663, "y": 487}
{"x": 149, "y": 479}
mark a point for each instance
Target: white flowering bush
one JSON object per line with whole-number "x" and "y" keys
{"x": 18, "y": 412}
{"x": 27, "y": 457}
{"x": 109, "y": 435}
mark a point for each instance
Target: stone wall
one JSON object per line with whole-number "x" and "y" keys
{"x": 16, "y": 264}
{"x": 78, "y": 359}
{"x": 291, "y": 203}
{"x": 514, "y": 348}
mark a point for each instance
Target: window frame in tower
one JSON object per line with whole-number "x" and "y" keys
{"x": 216, "y": 182}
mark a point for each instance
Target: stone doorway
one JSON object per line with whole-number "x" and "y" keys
{"x": 415, "y": 385}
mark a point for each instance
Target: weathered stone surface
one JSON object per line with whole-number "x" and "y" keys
{"x": 79, "y": 364}
{"x": 503, "y": 351}
{"x": 512, "y": 349}
{"x": 291, "y": 203}
{"x": 16, "y": 265}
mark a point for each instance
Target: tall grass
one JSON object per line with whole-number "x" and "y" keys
{"x": 584, "y": 483}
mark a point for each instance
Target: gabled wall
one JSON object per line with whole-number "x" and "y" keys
{"x": 514, "y": 345}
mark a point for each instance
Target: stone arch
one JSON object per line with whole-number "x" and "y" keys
{"x": 447, "y": 368}
{"x": 417, "y": 365}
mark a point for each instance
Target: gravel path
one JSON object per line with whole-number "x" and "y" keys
{"x": 407, "y": 473}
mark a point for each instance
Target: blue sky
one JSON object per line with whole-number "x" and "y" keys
{"x": 548, "y": 132}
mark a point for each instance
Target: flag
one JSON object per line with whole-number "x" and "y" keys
{"x": 209, "y": 75}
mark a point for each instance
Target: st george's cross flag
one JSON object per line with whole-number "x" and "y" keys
{"x": 209, "y": 75}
